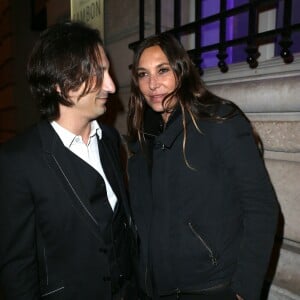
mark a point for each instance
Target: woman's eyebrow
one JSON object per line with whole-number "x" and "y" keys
{"x": 157, "y": 66}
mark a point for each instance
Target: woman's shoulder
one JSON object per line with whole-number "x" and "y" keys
{"x": 227, "y": 119}
{"x": 225, "y": 108}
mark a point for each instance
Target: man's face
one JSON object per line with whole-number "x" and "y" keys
{"x": 93, "y": 104}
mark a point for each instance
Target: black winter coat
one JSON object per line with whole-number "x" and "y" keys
{"x": 208, "y": 224}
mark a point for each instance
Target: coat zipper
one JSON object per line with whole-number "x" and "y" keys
{"x": 211, "y": 254}
{"x": 178, "y": 292}
{"x": 46, "y": 267}
{"x": 146, "y": 275}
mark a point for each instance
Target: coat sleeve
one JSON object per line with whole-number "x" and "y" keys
{"x": 259, "y": 207}
{"x": 18, "y": 264}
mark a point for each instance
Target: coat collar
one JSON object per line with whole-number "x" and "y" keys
{"x": 173, "y": 129}
{"x": 165, "y": 135}
{"x": 68, "y": 137}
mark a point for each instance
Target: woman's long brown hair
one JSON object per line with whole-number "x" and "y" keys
{"x": 193, "y": 98}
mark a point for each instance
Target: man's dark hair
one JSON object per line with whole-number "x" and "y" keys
{"x": 65, "y": 56}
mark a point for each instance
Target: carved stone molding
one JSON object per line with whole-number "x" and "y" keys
{"x": 279, "y": 136}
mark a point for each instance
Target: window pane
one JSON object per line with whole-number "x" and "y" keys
{"x": 209, "y": 59}
{"x": 235, "y": 3}
{"x": 210, "y": 33}
{"x": 210, "y": 7}
{"x": 238, "y": 53}
{"x": 296, "y": 42}
{"x": 240, "y": 25}
{"x": 236, "y": 27}
{"x": 295, "y": 37}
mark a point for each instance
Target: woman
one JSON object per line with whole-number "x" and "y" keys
{"x": 202, "y": 201}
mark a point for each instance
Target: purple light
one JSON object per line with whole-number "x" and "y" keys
{"x": 229, "y": 31}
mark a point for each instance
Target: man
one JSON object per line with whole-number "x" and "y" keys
{"x": 65, "y": 227}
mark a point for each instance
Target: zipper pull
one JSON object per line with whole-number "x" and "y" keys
{"x": 178, "y": 292}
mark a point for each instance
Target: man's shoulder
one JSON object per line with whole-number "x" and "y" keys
{"x": 21, "y": 140}
{"x": 21, "y": 150}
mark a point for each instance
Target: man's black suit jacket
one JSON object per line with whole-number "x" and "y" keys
{"x": 59, "y": 238}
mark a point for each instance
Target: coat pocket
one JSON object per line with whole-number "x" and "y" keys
{"x": 51, "y": 288}
{"x": 211, "y": 254}
{"x": 54, "y": 293}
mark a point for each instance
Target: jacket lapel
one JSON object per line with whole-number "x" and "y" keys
{"x": 112, "y": 168}
{"x": 73, "y": 174}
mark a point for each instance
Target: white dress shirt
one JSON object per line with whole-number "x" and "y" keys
{"x": 89, "y": 153}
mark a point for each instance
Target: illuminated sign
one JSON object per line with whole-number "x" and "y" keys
{"x": 90, "y": 12}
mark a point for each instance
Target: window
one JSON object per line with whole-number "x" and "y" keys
{"x": 222, "y": 32}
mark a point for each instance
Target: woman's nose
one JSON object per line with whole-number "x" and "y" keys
{"x": 153, "y": 82}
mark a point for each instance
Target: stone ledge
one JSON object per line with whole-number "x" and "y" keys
{"x": 281, "y": 156}
{"x": 279, "y": 136}
{"x": 240, "y": 72}
{"x": 274, "y": 116}
{"x": 279, "y": 293}
{"x": 273, "y": 95}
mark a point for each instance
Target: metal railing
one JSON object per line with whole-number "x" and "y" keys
{"x": 252, "y": 40}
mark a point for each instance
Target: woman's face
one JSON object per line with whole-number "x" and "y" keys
{"x": 156, "y": 80}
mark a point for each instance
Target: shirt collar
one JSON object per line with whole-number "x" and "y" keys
{"x": 68, "y": 137}
{"x": 95, "y": 129}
